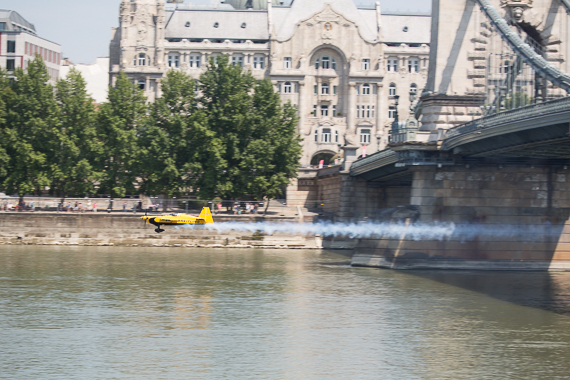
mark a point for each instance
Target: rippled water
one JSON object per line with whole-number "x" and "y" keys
{"x": 128, "y": 313}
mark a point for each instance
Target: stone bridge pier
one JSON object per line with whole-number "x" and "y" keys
{"x": 499, "y": 217}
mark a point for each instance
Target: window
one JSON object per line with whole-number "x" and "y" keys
{"x": 392, "y": 89}
{"x": 335, "y": 90}
{"x": 357, "y": 111}
{"x": 325, "y": 89}
{"x": 392, "y": 65}
{"x": 315, "y": 110}
{"x": 324, "y": 110}
{"x": 365, "y": 89}
{"x": 366, "y": 64}
{"x": 258, "y": 62}
{"x": 334, "y": 110}
{"x": 413, "y": 91}
{"x": 326, "y": 135}
{"x": 296, "y": 88}
{"x": 237, "y": 60}
{"x": 367, "y": 111}
{"x": 413, "y": 65}
{"x": 173, "y": 60}
{"x": 506, "y": 67}
{"x": 372, "y": 112}
{"x": 317, "y": 64}
{"x": 316, "y": 136}
{"x": 325, "y": 61}
{"x": 10, "y": 64}
{"x": 142, "y": 84}
{"x": 2, "y": 26}
{"x": 392, "y": 112}
{"x": 365, "y": 136}
{"x": 333, "y": 61}
{"x": 287, "y": 62}
{"x": 287, "y": 88}
{"x": 335, "y": 136}
{"x": 194, "y": 60}
{"x": 11, "y": 48}
{"x": 142, "y": 59}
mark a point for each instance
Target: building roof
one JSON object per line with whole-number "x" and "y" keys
{"x": 217, "y": 24}
{"x": 254, "y": 4}
{"x": 15, "y": 22}
{"x": 304, "y": 9}
{"x": 406, "y": 29}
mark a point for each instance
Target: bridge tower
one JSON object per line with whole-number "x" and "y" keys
{"x": 470, "y": 59}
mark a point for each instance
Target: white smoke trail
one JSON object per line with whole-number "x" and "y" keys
{"x": 434, "y": 231}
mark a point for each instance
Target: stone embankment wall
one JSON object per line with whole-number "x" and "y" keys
{"x": 47, "y": 228}
{"x": 524, "y": 211}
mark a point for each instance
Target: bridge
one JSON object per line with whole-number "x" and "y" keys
{"x": 488, "y": 147}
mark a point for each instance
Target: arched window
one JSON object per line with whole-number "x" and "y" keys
{"x": 142, "y": 59}
{"x": 392, "y": 89}
{"x": 326, "y": 62}
{"x": 287, "y": 88}
{"x": 365, "y": 89}
{"x": 325, "y": 89}
{"x": 413, "y": 91}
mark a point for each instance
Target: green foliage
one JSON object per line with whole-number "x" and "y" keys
{"x": 255, "y": 147}
{"x": 516, "y": 100}
{"x": 172, "y": 143}
{"x": 31, "y": 133}
{"x": 236, "y": 139}
{"x": 73, "y": 172}
{"x": 118, "y": 124}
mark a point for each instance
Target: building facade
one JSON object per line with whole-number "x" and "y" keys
{"x": 19, "y": 44}
{"x": 344, "y": 67}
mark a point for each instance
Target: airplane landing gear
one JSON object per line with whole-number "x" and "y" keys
{"x": 158, "y": 230}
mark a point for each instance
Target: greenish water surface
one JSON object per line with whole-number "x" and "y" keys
{"x": 173, "y": 313}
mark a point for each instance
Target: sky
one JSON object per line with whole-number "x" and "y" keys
{"x": 83, "y": 28}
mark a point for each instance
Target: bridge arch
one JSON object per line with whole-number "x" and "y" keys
{"x": 326, "y": 155}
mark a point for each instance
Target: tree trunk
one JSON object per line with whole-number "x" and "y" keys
{"x": 266, "y": 207}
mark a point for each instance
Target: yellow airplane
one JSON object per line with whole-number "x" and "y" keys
{"x": 178, "y": 219}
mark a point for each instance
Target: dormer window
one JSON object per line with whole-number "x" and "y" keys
{"x": 216, "y": 24}
{"x": 187, "y": 24}
{"x": 243, "y": 25}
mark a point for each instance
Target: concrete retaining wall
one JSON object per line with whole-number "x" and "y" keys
{"x": 129, "y": 230}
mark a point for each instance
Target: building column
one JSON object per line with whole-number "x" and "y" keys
{"x": 379, "y": 115}
{"x": 351, "y": 114}
{"x": 302, "y": 107}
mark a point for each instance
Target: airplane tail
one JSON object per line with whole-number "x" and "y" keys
{"x": 206, "y": 215}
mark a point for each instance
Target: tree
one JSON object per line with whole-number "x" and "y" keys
{"x": 118, "y": 124}
{"x": 255, "y": 148}
{"x": 173, "y": 143}
{"x": 31, "y": 132}
{"x": 227, "y": 102}
{"x": 272, "y": 155}
{"x": 5, "y": 94}
{"x": 75, "y": 173}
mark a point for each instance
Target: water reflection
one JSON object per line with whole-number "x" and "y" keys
{"x": 104, "y": 312}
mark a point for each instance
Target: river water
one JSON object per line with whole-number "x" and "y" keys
{"x": 168, "y": 313}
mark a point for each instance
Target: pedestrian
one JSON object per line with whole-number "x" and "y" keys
{"x": 255, "y": 206}
{"x": 236, "y": 207}
{"x": 247, "y": 208}
{"x": 219, "y": 206}
{"x": 89, "y": 206}
{"x": 94, "y": 207}
{"x": 134, "y": 208}
{"x": 124, "y": 206}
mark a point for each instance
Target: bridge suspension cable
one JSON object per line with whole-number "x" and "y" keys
{"x": 522, "y": 49}
{"x": 566, "y": 4}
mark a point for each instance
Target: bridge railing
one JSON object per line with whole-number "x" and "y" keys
{"x": 517, "y": 114}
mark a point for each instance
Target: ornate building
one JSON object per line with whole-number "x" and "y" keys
{"x": 343, "y": 67}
